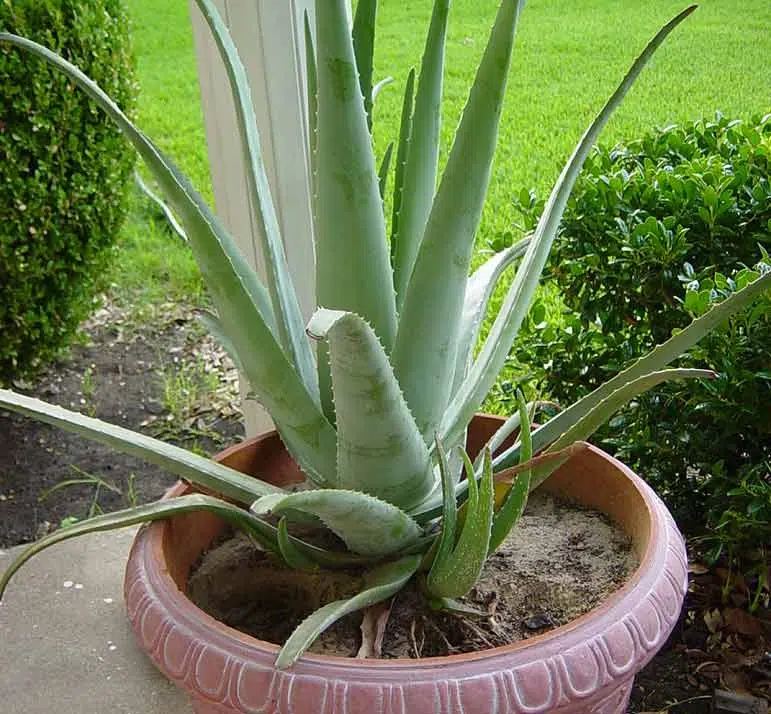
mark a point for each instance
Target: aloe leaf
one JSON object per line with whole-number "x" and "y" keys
{"x": 595, "y": 417}
{"x": 385, "y": 165}
{"x": 312, "y": 81}
{"x": 515, "y": 498}
{"x": 142, "y": 514}
{"x": 365, "y": 524}
{"x": 422, "y": 156}
{"x": 446, "y": 541}
{"x": 379, "y": 448}
{"x": 429, "y": 324}
{"x": 214, "y": 327}
{"x": 380, "y": 584}
{"x": 240, "y": 298}
{"x": 380, "y": 86}
{"x": 363, "y": 32}
{"x": 405, "y": 127}
{"x": 456, "y": 574}
{"x": 517, "y": 302}
{"x": 655, "y": 360}
{"x": 286, "y": 308}
{"x": 479, "y": 290}
{"x": 185, "y": 464}
{"x": 293, "y": 555}
{"x": 353, "y": 269}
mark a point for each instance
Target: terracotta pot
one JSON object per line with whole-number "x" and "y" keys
{"x": 587, "y": 665}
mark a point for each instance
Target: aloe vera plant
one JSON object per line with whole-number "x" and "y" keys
{"x": 373, "y": 396}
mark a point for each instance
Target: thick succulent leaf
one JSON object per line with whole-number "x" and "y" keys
{"x": 456, "y": 574}
{"x": 420, "y": 168}
{"x": 429, "y": 324}
{"x": 364, "y": 50}
{"x": 160, "y": 203}
{"x": 379, "y": 448}
{"x": 294, "y": 556}
{"x": 365, "y": 524}
{"x": 600, "y": 413}
{"x": 385, "y": 166}
{"x": 405, "y": 127}
{"x": 240, "y": 298}
{"x": 479, "y": 290}
{"x": 517, "y": 302}
{"x": 312, "y": 81}
{"x": 213, "y": 325}
{"x": 380, "y": 584}
{"x": 185, "y": 464}
{"x": 658, "y": 358}
{"x": 143, "y": 514}
{"x": 380, "y": 86}
{"x": 353, "y": 269}
{"x": 513, "y": 499}
{"x": 286, "y": 308}
{"x": 446, "y": 542}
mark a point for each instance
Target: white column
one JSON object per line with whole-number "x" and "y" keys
{"x": 270, "y": 39}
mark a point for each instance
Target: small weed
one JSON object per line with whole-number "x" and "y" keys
{"x": 98, "y": 486}
{"x": 187, "y": 388}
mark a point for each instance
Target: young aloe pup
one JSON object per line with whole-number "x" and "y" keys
{"x": 375, "y": 414}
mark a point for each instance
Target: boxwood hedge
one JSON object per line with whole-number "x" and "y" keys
{"x": 64, "y": 173}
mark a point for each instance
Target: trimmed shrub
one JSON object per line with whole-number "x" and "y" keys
{"x": 641, "y": 217}
{"x": 64, "y": 173}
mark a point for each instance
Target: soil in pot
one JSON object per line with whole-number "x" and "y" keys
{"x": 560, "y": 562}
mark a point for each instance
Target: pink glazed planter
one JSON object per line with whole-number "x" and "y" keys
{"x": 586, "y": 666}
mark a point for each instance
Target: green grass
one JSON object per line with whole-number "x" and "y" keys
{"x": 568, "y": 57}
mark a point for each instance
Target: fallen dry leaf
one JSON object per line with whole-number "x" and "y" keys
{"x": 741, "y": 621}
{"x": 373, "y": 626}
{"x": 713, "y": 620}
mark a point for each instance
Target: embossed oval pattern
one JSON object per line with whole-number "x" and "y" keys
{"x": 587, "y": 668}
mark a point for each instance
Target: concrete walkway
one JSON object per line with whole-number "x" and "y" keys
{"x": 65, "y": 642}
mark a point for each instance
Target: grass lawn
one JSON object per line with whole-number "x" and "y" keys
{"x": 567, "y": 59}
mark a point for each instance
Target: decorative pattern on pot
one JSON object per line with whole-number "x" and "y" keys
{"x": 586, "y": 666}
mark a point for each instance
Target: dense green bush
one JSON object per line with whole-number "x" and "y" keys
{"x": 697, "y": 194}
{"x": 64, "y": 172}
{"x": 641, "y": 216}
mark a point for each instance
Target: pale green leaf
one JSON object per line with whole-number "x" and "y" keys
{"x": 143, "y": 514}
{"x": 385, "y": 166}
{"x": 380, "y": 86}
{"x": 654, "y": 361}
{"x": 292, "y": 555}
{"x": 365, "y": 524}
{"x": 379, "y": 448}
{"x": 363, "y": 32}
{"x": 429, "y": 323}
{"x": 405, "y": 127}
{"x": 286, "y": 308}
{"x": 236, "y": 291}
{"x": 517, "y": 302}
{"x": 446, "y": 543}
{"x": 422, "y": 156}
{"x": 182, "y": 463}
{"x": 353, "y": 269}
{"x": 594, "y": 418}
{"x": 515, "y": 499}
{"x": 456, "y": 575}
{"x": 479, "y": 290}
{"x": 312, "y": 82}
{"x": 380, "y": 584}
